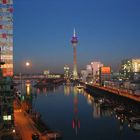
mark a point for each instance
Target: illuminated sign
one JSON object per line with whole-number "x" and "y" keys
{"x": 105, "y": 70}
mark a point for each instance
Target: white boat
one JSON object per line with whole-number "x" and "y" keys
{"x": 134, "y": 119}
{"x": 80, "y": 86}
{"x": 54, "y": 135}
{"x": 136, "y": 126}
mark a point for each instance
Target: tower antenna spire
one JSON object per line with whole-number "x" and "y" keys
{"x": 74, "y": 33}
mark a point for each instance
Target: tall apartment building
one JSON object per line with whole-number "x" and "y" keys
{"x": 6, "y": 67}
{"x": 6, "y": 36}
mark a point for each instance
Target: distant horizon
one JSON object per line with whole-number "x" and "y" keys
{"x": 30, "y": 71}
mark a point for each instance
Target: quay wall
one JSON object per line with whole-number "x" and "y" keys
{"x": 101, "y": 91}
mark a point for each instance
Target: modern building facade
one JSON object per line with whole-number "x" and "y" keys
{"x": 6, "y": 67}
{"x": 6, "y": 37}
{"x": 105, "y": 74}
{"x": 95, "y": 66}
{"x": 91, "y": 73}
{"x": 130, "y": 68}
{"x": 84, "y": 75}
{"x": 89, "y": 69}
{"x": 46, "y": 73}
{"x": 74, "y": 42}
{"x": 6, "y": 103}
{"x": 66, "y": 72}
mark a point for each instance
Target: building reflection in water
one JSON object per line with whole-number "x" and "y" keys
{"x": 28, "y": 97}
{"x": 67, "y": 89}
{"x": 45, "y": 90}
{"x": 121, "y": 125}
{"x": 28, "y": 88}
{"x": 89, "y": 99}
{"x": 38, "y": 90}
{"x": 127, "y": 113}
{"x": 96, "y": 110}
{"x": 75, "y": 91}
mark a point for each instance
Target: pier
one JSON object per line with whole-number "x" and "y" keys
{"x": 120, "y": 92}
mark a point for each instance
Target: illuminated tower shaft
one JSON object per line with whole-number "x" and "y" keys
{"x": 74, "y": 42}
{"x": 75, "y": 75}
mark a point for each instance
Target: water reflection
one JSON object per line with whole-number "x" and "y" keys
{"x": 76, "y": 121}
{"x": 38, "y": 90}
{"x": 125, "y": 112}
{"x": 28, "y": 97}
{"x": 94, "y": 114}
{"x": 45, "y": 90}
{"x": 67, "y": 89}
{"x": 28, "y": 88}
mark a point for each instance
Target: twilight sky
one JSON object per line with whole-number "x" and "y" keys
{"x": 108, "y": 30}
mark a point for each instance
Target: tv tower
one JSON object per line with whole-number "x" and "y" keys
{"x": 74, "y": 42}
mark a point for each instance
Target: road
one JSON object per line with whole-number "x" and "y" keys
{"x": 24, "y": 124}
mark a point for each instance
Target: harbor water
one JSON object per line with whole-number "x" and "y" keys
{"x": 80, "y": 115}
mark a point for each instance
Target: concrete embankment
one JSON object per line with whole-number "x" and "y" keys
{"x": 114, "y": 92}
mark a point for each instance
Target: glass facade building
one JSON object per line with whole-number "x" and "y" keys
{"x": 130, "y": 67}
{"x": 6, "y": 67}
{"x": 6, "y": 37}
{"x": 66, "y": 72}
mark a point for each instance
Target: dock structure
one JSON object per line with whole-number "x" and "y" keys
{"x": 119, "y": 92}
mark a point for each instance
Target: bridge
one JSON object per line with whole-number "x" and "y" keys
{"x": 37, "y": 77}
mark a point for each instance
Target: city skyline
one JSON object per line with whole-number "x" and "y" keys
{"x": 107, "y": 31}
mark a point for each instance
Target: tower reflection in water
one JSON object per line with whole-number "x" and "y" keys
{"x": 67, "y": 90}
{"x": 124, "y": 111}
{"x": 76, "y": 121}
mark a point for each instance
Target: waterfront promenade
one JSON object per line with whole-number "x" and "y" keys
{"x": 119, "y": 92}
{"x": 24, "y": 124}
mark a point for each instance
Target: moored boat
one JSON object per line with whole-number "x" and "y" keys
{"x": 80, "y": 86}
